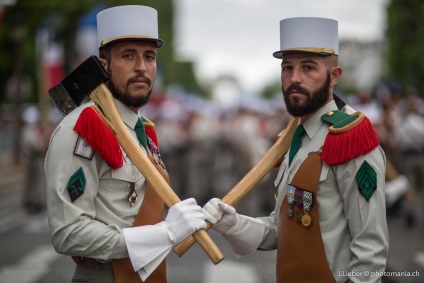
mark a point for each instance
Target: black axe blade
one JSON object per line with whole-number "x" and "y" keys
{"x": 77, "y": 86}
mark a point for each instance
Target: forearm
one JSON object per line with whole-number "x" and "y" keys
{"x": 90, "y": 238}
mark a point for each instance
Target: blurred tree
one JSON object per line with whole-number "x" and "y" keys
{"x": 271, "y": 90}
{"x": 32, "y": 14}
{"x": 405, "y": 35}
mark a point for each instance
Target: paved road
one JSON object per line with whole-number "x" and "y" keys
{"x": 28, "y": 257}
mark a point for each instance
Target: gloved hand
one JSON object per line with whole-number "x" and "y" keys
{"x": 243, "y": 233}
{"x": 148, "y": 245}
{"x": 222, "y": 216}
{"x": 183, "y": 219}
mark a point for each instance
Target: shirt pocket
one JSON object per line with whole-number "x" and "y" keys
{"x": 127, "y": 173}
{"x": 123, "y": 181}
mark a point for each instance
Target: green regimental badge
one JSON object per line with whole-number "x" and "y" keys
{"x": 76, "y": 184}
{"x": 366, "y": 179}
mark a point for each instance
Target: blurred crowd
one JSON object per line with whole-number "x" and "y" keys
{"x": 208, "y": 149}
{"x": 397, "y": 114}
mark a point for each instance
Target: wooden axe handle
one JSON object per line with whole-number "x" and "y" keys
{"x": 104, "y": 98}
{"x": 257, "y": 173}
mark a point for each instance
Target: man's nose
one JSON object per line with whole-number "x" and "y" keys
{"x": 296, "y": 76}
{"x": 140, "y": 65}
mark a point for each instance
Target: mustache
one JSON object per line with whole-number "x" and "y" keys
{"x": 296, "y": 88}
{"x": 138, "y": 77}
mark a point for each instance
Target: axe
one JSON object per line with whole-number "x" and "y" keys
{"x": 258, "y": 172}
{"x": 87, "y": 81}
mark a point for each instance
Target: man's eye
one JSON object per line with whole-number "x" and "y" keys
{"x": 150, "y": 57}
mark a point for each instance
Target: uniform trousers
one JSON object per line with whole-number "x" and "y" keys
{"x": 91, "y": 271}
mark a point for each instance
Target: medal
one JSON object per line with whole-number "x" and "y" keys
{"x": 298, "y": 216}
{"x": 298, "y": 195}
{"x": 155, "y": 152}
{"x": 132, "y": 198}
{"x": 290, "y": 200}
{"x": 307, "y": 203}
{"x": 306, "y": 220}
{"x": 290, "y": 212}
{"x": 300, "y": 198}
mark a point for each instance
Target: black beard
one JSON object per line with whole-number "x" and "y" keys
{"x": 315, "y": 100}
{"x": 125, "y": 97}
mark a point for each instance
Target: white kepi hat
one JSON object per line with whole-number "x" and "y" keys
{"x": 127, "y": 23}
{"x": 308, "y": 34}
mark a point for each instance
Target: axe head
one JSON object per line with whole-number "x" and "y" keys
{"x": 76, "y": 87}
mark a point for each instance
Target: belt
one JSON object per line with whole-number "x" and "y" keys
{"x": 80, "y": 259}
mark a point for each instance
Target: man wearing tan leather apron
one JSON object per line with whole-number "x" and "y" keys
{"x": 329, "y": 222}
{"x": 101, "y": 210}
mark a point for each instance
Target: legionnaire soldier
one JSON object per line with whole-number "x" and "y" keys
{"x": 329, "y": 222}
{"x": 101, "y": 210}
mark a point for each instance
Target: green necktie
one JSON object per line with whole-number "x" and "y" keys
{"x": 141, "y": 134}
{"x": 297, "y": 140}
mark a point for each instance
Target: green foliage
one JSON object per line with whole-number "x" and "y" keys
{"x": 271, "y": 90}
{"x": 405, "y": 35}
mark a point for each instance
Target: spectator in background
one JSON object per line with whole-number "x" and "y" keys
{"x": 35, "y": 140}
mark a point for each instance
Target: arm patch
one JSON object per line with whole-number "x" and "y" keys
{"x": 366, "y": 178}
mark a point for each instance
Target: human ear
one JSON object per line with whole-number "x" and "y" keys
{"x": 336, "y": 73}
{"x": 103, "y": 62}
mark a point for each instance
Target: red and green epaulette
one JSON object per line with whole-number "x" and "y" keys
{"x": 94, "y": 127}
{"x": 350, "y": 136}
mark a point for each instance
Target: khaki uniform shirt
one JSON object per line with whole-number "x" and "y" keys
{"x": 354, "y": 230}
{"x": 91, "y": 226}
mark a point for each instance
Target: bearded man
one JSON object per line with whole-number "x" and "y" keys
{"x": 329, "y": 222}
{"x": 101, "y": 210}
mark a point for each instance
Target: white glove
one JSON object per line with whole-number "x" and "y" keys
{"x": 183, "y": 219}
{"x": 148, "y": 245}
{"x": 222, "y": 216}
{"x": 243, "y": 233}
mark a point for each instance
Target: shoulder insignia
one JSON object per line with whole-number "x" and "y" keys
{"x": 366, "y": 178}
{"x": 93, "y": 127}
{"x": 76, "y": 184}
{"x": 349, "y": 136}
{"x": 339, "y": 119}
{"x": 83, "y": 149}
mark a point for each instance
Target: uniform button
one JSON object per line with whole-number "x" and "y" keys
{"x": 133, "y": 177}
{"x": 331, "y": 113}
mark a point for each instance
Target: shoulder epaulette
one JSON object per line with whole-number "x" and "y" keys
{"x": 349, "y": 136}
{"x": 93, "y": 127}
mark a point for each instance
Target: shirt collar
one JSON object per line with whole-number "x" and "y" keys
{"x": 129, "y": 117}
{"x": 314, "y": 122}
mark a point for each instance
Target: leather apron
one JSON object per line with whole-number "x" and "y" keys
{"x": 151, "y": 212}
{"x": 300, "y": 254}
